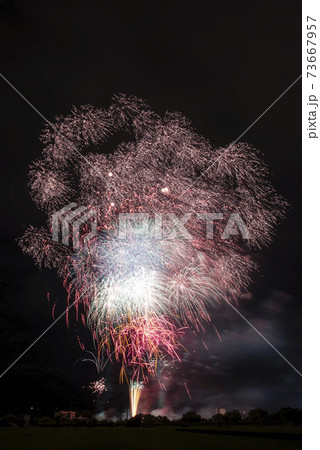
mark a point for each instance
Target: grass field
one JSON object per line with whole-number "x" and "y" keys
{"x": 164, "y": 438}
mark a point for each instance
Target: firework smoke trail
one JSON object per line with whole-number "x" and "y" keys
{"x": 187, "y": 389}
{"x": 139, "y": 293}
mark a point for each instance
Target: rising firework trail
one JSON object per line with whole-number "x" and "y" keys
{"x": 135, "y": 389}
{"x": 139, "y": 289}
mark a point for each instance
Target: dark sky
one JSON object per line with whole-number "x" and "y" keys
{"x": 219, "y": 63}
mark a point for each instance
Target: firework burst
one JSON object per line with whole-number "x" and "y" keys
{"x": 99, "y": 386}
{"x": 141, "y": 292}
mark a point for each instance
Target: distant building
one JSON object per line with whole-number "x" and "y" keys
{"x": 69, "y": 415}
{"x": 219, "y": 410}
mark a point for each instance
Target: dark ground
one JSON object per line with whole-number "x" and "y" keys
{"x": 136, "y": 439}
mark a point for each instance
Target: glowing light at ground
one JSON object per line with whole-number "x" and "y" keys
{"x": 135, "y": 389}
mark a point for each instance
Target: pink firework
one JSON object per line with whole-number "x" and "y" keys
{"x": 140, "y": 292}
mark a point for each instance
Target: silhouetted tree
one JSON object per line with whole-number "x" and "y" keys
{"x": 290, "y": 415}
{"x": 163, "y": 420}
{"x": 149, "y": 420}
{"x": 233, "y": 416}
{"x": 258, "y": 415}
{"x": 135, "y": 421}
{"x": 191, "y": 416}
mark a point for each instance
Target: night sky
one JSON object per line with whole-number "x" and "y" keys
{"x": 221, "y": 64}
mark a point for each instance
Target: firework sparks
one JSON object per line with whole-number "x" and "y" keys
{"x": 98, "y": 360}
{"x": 138, "y": 294}
{"x": 99, "y": 386}
{"x": 135, "y": 389}
{"x": 187, "y": 390}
